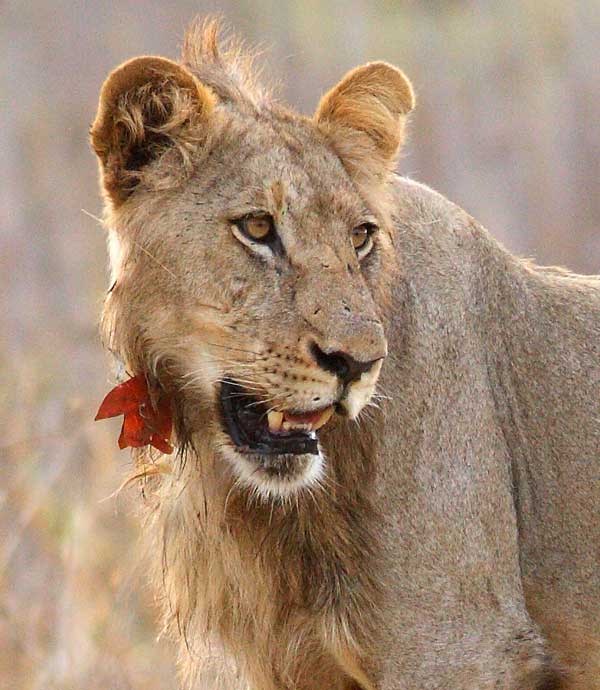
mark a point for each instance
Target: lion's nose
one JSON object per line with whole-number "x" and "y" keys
{"x": 343, "y": 365}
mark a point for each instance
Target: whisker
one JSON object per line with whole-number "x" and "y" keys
{"x": 91, "y": 215}
{"x": 233, "y": 349}
{"x": 247, "y": 384}
{"x": 205, "y": 366}
{"x": 380, "y": 390}
{"x": 244, "y": 384}
{"x": 263, "y": 401}
{"x": 158, "y": 263}
{"x": 224, "y": 360}
{"x": 235, "y": 484}
{"x": 273, "y": 408}
{"x": 366, "y": 415}
{"x": 327, "y": 479}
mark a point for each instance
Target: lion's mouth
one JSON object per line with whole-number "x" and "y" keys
{"x": 254, "y": 429}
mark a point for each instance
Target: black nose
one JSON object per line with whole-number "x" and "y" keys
{"x": 343, "y": 365}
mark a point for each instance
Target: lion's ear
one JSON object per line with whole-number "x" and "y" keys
{"x": 147, "y": 105}
{"x": 364, "y": 117}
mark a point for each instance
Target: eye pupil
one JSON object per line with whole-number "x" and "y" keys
{"x": 258, "y": 228}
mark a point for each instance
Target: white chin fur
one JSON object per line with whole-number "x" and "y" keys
{"x": 267, "y": 487}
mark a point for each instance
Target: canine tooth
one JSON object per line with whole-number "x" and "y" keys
{"x": 323, "y": 419}
{"x": 275, "y": 419}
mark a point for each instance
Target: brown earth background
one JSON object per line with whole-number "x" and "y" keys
{"x": 508, "y": 126}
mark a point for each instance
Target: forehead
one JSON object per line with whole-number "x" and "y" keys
{"x": 285, "y": 157}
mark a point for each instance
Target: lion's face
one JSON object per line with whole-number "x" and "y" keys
{"x": 255, "y": 285}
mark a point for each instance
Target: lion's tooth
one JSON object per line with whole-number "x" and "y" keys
{"x": 323, "y": 419}
{"x": 295, "y": 426}
{"x": 275, "y": 420}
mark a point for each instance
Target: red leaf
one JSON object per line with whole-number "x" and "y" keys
{"x": 124, "y": 398}
{"x": 161, "y": 444}
{"x": 143, "y": 424}
{"x": 161, "y": 419}
{"x": 134, "y": 433}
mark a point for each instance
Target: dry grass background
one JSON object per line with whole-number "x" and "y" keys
{"x": 507, "y": 126}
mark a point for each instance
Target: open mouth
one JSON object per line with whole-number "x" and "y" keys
{"x": 256, "y": 430}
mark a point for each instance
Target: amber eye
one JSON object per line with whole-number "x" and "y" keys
{"x": 361, "y": 238}
{"x": 257, "y": 228}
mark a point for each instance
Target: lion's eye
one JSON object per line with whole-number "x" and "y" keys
{"x": 362, "y": 240}
{"x": 257, "y": 228}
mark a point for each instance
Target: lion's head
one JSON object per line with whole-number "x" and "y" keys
{"x": 250, "y": 249}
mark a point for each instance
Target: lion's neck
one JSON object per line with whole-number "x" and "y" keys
{"x": 266, "y": 580}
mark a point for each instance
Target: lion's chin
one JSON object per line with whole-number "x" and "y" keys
{"x": 276, "y": 477}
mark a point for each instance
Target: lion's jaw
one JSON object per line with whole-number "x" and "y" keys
{"x": 266, "y": 424}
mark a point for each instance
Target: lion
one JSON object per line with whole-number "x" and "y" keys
{"x": 387, "y": 426}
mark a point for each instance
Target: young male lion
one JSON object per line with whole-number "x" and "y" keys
{"x": 270, "y": 274}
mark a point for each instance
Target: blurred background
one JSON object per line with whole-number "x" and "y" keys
{"x": 507, "y": 125}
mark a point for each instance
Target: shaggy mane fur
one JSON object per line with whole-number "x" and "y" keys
{"x": 224, "y": 63}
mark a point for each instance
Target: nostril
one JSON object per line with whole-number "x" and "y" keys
{"x": 341, "y": 364}
{"x": 333, "y": 362}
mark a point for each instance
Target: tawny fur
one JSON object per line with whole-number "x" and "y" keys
{"x": 452, "y": 537}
